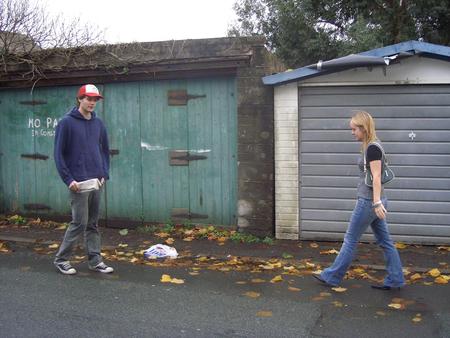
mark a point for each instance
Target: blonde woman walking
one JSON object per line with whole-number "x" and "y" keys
{"x": 370, "y": 209}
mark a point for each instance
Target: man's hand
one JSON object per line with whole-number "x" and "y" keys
{"x": 74, "y": 186}
{"x": 102, "y": 182}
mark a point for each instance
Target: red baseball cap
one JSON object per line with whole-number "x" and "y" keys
{"x": 89, "y": 90}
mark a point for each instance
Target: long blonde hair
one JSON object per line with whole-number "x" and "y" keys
{"x": 364, "y": 120}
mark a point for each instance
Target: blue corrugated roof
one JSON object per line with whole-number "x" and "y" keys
{"x": 413, "y": 47}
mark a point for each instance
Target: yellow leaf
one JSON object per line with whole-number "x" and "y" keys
{"x": 395, "y": 306}
{"x": 441, "y": 280}
{"x": 177, "y": 281}
{"x": 445, "y": 277}
{"x": 339, "y": 289}
{"x": 381, "y": 313}
{"x": 291, "y": 288}
{"x": 264, "y": 313}
{"x": 417, "y": 319}
{"x": 222, "y": 239}
{"x": 166, "y": 279}
{"x": 134, "y": 260}
{"x": 170, "y": 241}
{"x": 276, "y": 279}
{"x": 416, "y": 276}
{"x": 162, "y": 234}
{"x": 289, "y": 268}
{"x": 267, "y": 266}
{"x": 314, "y": 245}
{"x": 310, "y": 265}
{"x": 399, "y": 245}
{"x": 257, "y": 280}
{"x": 337, "y": 304}
{"x": 252, "y": 294}
{"x": 188, "y": 239}
{"x": 329, "y": 252}
{"x": 434, "y": 272}
{"x": 122, "y": 245}
{"x": 53, "y": 246}
{"x": 325, "y": 294}
{"x": 62, "y": 227}
{"x": 445, "y": 248}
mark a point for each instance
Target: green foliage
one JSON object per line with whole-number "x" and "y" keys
{"x": 302, "y": 32}
{"x": 17, "y": 219}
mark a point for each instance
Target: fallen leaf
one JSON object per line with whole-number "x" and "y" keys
{"x": 162, "y": 234}
{"x": 286, "y": 255}
{"x": 288, "y": 268}
{"x": 177, "y": 281}
{"x": 252, "y": 294}
{"x": 264, "y": 313}
{"x": 62, "y": 227}
{"x": 276, "y": 279}
{"x": 395, "y": 306}
{"x": 166, "y": 279}
{"x": 441, "y": 280}
{"x": 291, "y": 288}
{"x": 134, "y": 260}
{"x": 317, "y": 298}
{"x": 337, "y": 304}
{"x": 325, "y": 294}
{"x": 416, "y": 276}
{"x": 122, "y": 245}
{"x": 188, "y": 239}
{"x": 417, "y": 318}
{"x": 329, "y": 252}
{"x": 53, "y": 246}
{"x": 241, "y": 282}
{"x": 170, "y": 241}
{"x": 310, "y": 265}
{"x": 434, "y": 272}
{"x": 194, "y": 273}
{"x": 399, "y": 245}
{"x": 123, "y": 232}
{"x": 314, "y": 245}
{"x": 381, "y": 313}
{"x": 258, "y": 280}
{"x": 339, "y": 289}
{"x": 444, "y": 248}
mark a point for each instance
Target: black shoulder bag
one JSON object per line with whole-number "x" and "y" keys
{"x": 387, "y": 175}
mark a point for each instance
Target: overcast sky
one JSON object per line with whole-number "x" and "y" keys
{"x": 150, "y": 20}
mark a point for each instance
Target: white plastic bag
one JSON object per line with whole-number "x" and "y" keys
{"x": 160, "y": 251}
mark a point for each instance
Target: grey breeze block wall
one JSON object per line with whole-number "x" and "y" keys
{"x": 255, "y": 145}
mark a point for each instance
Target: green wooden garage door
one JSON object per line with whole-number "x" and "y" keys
{"x": 152, "y": 125}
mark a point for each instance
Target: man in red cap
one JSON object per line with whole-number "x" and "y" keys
{"x": 82, "y": 159}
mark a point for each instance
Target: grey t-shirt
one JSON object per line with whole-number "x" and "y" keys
{"x": 365, "y": 191}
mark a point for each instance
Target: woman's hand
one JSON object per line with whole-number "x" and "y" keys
{"x": 380, "y": 211}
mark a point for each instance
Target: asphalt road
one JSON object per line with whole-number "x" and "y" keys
{"x": 36, "y": 301}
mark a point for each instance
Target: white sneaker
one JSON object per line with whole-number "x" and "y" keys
{"x": 65, "y": 268}
{"x": 102, "y": 267}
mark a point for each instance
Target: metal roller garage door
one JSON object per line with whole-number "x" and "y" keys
{"x": 414, "y": 124}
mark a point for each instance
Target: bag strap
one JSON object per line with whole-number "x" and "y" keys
{"x": 383, "y": 155}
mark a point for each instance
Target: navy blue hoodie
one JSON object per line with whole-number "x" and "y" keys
{"x": 81, "y": 148}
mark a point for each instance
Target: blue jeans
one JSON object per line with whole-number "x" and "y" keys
{"x": 363, "y": 215}
{"x": 85, "y": 214}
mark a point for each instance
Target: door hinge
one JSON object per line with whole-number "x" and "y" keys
{"x": 180, "y": 97}
{"x": 183, "y": 213}
{"x": 36, "y": 156}
{"x": 182, "y": 157}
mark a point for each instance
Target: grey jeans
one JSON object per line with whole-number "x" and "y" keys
{"x": 85, "y": 213}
